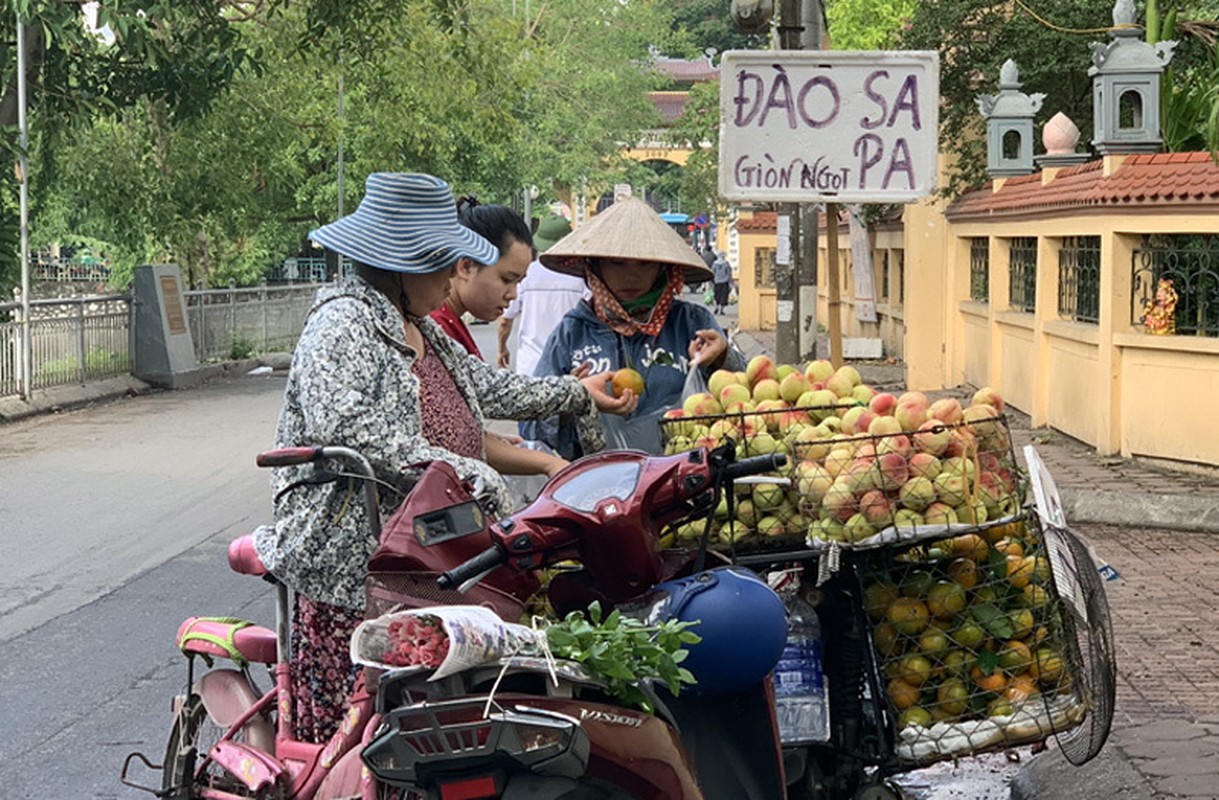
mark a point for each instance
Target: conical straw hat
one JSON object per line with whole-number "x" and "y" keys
{"x": 627, "y": 229}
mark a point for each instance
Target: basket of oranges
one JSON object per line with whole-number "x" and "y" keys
{"x": 972, "y": 642}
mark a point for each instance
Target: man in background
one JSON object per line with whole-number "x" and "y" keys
{"x": 721, "y": 280}
{"x": 542, "y": 299}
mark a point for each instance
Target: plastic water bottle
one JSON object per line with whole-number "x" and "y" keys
{"x": 800, "y": 696}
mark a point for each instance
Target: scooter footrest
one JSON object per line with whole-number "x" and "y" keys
{"x": 234, "y": 639}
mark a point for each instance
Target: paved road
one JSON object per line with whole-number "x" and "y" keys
{"x": 113, "y": 524}
{"x": 94, "y": 498}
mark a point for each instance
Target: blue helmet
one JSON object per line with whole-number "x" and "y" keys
{"x": 742, "y": 622}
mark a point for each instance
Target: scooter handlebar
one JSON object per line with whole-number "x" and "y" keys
{"x": 755, "y": 465}
{"x": 488, "y": 559}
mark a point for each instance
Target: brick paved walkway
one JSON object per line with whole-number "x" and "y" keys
{"x": 1165, "y": 611}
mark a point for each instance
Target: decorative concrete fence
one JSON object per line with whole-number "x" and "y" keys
{"x": 80, "y": 339}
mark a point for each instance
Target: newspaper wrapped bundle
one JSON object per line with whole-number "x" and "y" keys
{"x": 447, "y": 639}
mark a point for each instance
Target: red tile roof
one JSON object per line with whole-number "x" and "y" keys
{"x": 687, "y": 71}
{"x": 760, "y": 222}
{"x": 1185, "y": 181}
{"x": 669, "y": 105}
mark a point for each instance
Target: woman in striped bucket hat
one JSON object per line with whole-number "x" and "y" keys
{"x": 372, "y": 372}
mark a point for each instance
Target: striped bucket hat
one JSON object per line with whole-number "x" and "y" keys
{"x": 407, "y": 222}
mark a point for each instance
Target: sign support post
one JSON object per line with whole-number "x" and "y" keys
{"x": 833, "y": 289}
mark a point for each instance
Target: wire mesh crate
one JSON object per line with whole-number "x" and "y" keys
{"x": 977, "y": 646}
{"x": 860, "y": 479}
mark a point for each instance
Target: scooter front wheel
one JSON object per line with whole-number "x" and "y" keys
{"x": 190, "y": 739}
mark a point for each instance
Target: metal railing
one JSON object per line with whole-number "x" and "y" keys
{"x": 72, "y": 340}
{"x": 79, "y": 339}
{"x": 236, "y": 323}
{"x": 1022, "y": 273}
{"x": 979, "y": 269}
{"x": 1079, "y": 278}
{"x": 1191, "y": 262}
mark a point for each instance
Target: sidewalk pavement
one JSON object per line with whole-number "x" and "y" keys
{"x": 1157, "y": 526}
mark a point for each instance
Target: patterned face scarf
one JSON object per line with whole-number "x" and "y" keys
{"x": 610, "y": 311}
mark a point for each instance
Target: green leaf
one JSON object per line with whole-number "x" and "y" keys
{"x": 988, "y": 662}
{"x": 994, "y": 620}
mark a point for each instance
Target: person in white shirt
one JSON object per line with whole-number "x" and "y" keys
{"x": 542, "y": 299}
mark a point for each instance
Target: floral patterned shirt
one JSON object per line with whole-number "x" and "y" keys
{"x": 351, "y": 384}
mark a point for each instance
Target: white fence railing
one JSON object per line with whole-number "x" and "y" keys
{"x": 72, "y": 340}
{"x": 79, "y": 339}
{"x": 234, "y": 323}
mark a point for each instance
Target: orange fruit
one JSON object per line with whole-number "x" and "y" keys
{"x": 1020, "y": 688}
{"x": 887, "y": 639}
{"x": 1035, "y": 596}
{"x": 914, "y": 670}
{"x": 964, "y": 571}
{"x": 969, "y": 634}
{"x": 915, "y": 715}
{"x": 1046, "y": 666}
{"x": 1015, "y": 657}
{"x": 1003, "y": 531}
{"x": 1009, "y": 547}
{"x": 946, "y": 599}
{"x": 1000, "y": 707}
{"x": 902, "y": 695}
{"x": 626, "y": 378}
{"x": 908, "y": 615}
{"x": 1020, "y": 570}
{"x": 970, "y": 545}
{"x": 879, "y": 596}
{"x": 952, "y": 696}
{"x": 1022, "y": 622}
{"x": 994, "y": 682}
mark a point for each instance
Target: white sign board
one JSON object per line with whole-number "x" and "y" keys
{"x": 837, "y": 127}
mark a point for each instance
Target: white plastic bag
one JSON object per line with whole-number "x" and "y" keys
{"x": 696, "y": 382}
{"x": 525, "y": 488}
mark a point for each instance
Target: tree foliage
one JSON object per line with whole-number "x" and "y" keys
{"x": 975, "y": 37}
{"x": 183, "y": 54}
{"x": 487, "y": 99}
{"x": 867, "y": 24}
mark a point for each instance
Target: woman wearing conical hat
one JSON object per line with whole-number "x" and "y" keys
{"x": 373, "y": 372}
{"x": 635, "y": 266}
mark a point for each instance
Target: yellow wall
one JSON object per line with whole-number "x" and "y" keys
{"x": 1109, "y": 384}
{"x": 758, "y": 304}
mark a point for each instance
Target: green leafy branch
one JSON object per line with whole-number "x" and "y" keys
{"x": 623, "y": 651}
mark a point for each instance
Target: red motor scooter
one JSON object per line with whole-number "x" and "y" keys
{"x": 518, "y": 728}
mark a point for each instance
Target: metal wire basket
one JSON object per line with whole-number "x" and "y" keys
{"x": 979, "y": 645}
{"x": 1088, "y": 639}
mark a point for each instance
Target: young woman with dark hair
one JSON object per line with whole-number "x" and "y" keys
{"x": 484, "y": 291}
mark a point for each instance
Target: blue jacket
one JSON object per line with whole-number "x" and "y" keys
{"x": 582, "y": 338}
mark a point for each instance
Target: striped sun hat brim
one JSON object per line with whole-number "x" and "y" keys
{"x": 407, "y": 222}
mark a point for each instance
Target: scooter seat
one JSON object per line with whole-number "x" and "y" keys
{"x": 230, "y": 638}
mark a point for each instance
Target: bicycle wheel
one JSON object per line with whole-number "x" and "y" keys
{"x": 191, "y": 738}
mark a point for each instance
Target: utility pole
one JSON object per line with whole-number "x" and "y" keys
{"x": 796, "y": 311}
{"x": 23, "y": 166}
